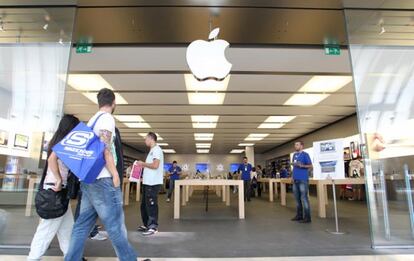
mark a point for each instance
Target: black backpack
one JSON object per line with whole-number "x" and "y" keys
{"x": 50, "y": 204}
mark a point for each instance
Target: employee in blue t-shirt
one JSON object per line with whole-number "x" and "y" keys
{"x": 245, "y": 169}
{"x": 174, "y": 173}
{"x": 301, "y": 165}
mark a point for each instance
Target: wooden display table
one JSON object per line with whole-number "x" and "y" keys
{"x": 126, "y": 190}
{"x": 321, "y": 190}
{"x": 219, "y": 184}
{"x": 272, "y": 187}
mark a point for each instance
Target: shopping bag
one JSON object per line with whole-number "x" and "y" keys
{"x": 82, "y": 152}
{"x": 136, "y": 173}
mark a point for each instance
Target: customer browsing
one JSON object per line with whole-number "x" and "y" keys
{"x": 174, "y": 172}
{"x": 153, "y": 176}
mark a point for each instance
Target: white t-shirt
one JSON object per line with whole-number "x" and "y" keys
{"x": 50, "y": 178}
{"x": 154, "y": 176}
{"x": 105, "y": 122}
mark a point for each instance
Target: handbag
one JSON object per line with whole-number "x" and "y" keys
{"x": 82, "y": 152}
{"x": 50, "y": 204}
{"x": 73, "y": 186}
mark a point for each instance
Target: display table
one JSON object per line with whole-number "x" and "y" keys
{"x": 219, "y": 184}
{"x": 126, "y": 190}
{"x": 321, "y": 190}
{"x": 272, "y": 186}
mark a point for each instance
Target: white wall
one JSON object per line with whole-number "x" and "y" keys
{"x": 212, "y": 159}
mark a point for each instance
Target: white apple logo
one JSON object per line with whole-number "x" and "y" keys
{"x": 207, "y": 60}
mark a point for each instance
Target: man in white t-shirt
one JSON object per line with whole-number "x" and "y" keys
{"x": 153, "y": 179}
{"x": 103, "y": 197}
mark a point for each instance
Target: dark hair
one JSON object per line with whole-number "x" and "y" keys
{"x": 174, "y": 161}
{"x": 300, "y": 142}
{"x": 106, "y": 97}
{"x": 66, "y": 124}
{"x": 244, "y": 157}
{"x": 253, "y": 169}
{"x": 152, "y": 135}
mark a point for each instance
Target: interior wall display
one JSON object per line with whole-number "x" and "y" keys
{"x": 21, "y": 141}
{"x": 234, "y": 167}
{"x": 328, "y": 159}
{"x": 4, "y": 138}
{"x": 167, "y": 166}
{"x": 347, "y": 153}
{"x": 12, "y": 165}
{"x": 202, "y": 167}
{"x": 354, "y": 147}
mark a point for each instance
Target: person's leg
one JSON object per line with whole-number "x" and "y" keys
{"x": 83, "y": 224}
{"x": 296, "y": 193}
{"x": 107, "y": 200}
{"x": 65, "y": 231}
{"x": 304, "y": 188}
{"x": 249, "y": 189}
{"x": 152, "y": 206}
{"x": 171, "y": 188}
{"x": 144, "y": 213}
{"x": 45, "y": 232}
{"x": 245, "y": 189}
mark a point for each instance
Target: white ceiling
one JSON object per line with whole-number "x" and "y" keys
{"x": 152, "y": 82}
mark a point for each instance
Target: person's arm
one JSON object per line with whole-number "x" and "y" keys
{"x": 52, "y": 163}
{"x": 308, "y": 163}
{"x": 154, "y": 165}
{"x": 180, "y": 171}
{"x": 106, "y": 137}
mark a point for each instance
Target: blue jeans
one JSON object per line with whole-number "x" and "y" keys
{"x": 101, "y": 199}
{"x": 300, "y": 190}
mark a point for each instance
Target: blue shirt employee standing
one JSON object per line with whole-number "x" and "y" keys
{"x": 301, "y": 165}
{"x": 174, "y": 172}
{"x": 245, "y": 169}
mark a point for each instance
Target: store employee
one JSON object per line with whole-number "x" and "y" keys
{"x": 301, "y": 165}
{"x": 174, "y": 173}
{"x": 245, "y": 169}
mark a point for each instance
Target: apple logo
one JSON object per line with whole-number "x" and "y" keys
{"x": 207, "y": 60}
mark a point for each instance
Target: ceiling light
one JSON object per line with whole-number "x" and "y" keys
{"x": 325, "y": 83}
{"x": 203, "y": 145}
{"x": 45, "y": 26}
{"x": 141, "y": 125}
{"x": 271, "y": 125}
{"x": 206, "y": 98}
{"x": 204, "y": 125}
{"x": 129, "y": 118}
{"x": 306, "y": 99}
{"x": 204, "y": 118}
{"x": 192, "y": 84}
{"x": 168, "y": 151}
{"x": 162, "y": 144}
{"x": 246, "y": 144}
{"x": 256, "y": 136}
{"x": 86, "y": 82}
{"x": 203, "y": 136}
{"x": 92, "y": 96}
{"x": 203, "y": 151}
{"x": 144, "y": 134}
{"x": 279, "y": 119}
{"x": 237, "y": 151}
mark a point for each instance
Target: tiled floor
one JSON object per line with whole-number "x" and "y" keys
{"x": 319, "y": 258}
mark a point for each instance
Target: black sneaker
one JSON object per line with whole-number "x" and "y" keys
{"x": 306, "y": 220}
{"x": 297, "y": 218}
{"x": 142, "y": 229}
{"x": 150, "y": 232}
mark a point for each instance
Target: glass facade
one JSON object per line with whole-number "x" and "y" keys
{"x": 34, "y": 57}
{"x": 381, "y": 45}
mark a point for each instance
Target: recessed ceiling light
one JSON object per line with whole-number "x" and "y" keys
{"x": 204, "y": 118}
{"x": 246, "y": 144}
{"x": 86, "y": 82}
{"x": 203, "y": 151}
{"x": 203, "y": 136}
{"x": 142, "y": 125}
{"x": 279, "y": 119}
{"x": 205, "y": 98}
{"x": 92, "y": 97}
{"x": 256, "y": 136}
{"x": 129, "y": 118}
{"x": 162, "y": 144}
{"x": 271, "y": 125}
{"x": 203, "y": 145}
{"x": 306, "y": 99}
{"x": 168, "y": 151}
{"x": 325, "y": 83}
{"x": 237, "y": 151}
{"x": 192, "y": 84}
{"x": 204, "y": 125}
{"x": 144, "y": 134}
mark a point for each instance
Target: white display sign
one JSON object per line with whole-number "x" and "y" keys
{"x": 328, "y": 159}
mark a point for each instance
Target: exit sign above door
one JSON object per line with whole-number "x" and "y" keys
{"x": 332, "y": 50}
{"x": 84, "y": 48}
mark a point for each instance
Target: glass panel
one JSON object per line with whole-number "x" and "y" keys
{"x": 381, "y": 45}
{"x": 34, "y": 55}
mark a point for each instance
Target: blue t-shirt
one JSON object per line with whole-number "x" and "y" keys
{"x": 174, "y": 173}
{"x": 304, "y": 159}
{"x": 245, "y": 170}
{"x": 283, "y": 173}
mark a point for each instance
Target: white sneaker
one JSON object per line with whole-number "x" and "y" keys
{"x": 101, "y": 236}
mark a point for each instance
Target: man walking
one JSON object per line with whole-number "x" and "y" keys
{"x": 152, "y": 181}
{"x": 103, "y": 197}
{"x": 174, "y": 172}
{"x": 301, "y": 165}
{"x": 245, "y": 169}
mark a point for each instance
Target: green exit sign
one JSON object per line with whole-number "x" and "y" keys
{"x": 83, "y": 48}
{"x": 332, "y": 50}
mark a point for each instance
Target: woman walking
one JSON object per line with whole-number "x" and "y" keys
{"x": 56, "y": 179}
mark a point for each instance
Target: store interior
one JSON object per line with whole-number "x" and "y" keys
{"x": 274, "y": 96}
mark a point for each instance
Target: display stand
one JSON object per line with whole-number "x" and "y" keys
{"x": 336, "y": 232}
